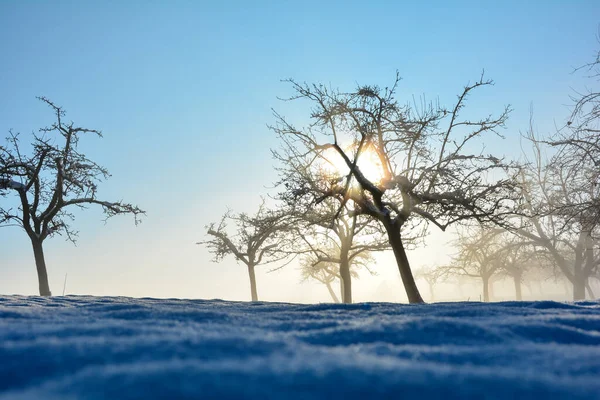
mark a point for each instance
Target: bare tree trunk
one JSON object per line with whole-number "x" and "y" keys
{"x": 486, "y": 288}
{"x": 332, "y": 293}
{"x": 40, "y": 264}
{"x": 412, "y": 291}
{"x": 345, "y": 277}
{"x": 252, "y": 282}
{"x": 579, "y": 288}
{"x": 518, "y": 292}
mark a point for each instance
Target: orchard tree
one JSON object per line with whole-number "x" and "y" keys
{"x": 516, "y": 259}
{"x": 345, "y": 240}
{"x": 554, "y": 190}
{"x": 326, "y": 272}
{"x": 403, "y": 167}
{"x": 578, "y": 150}
{"x": 479, "y": 256}
{"x": 562, "y": 191}
{"x": 255, "y": 239}
{"x": 324, "y": 264}
{"x": 521, "y": 259}
{"x": 50, "y": 181}
{"x": 432, "y": 276}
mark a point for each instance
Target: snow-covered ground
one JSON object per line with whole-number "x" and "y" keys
{"x": 114, "y": 347}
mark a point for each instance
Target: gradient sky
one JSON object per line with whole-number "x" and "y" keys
{"x": 183, "y": 93}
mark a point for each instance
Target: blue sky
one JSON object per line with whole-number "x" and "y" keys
{"x": 183, "y": 92}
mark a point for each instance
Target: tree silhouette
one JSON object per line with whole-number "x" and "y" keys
{"x": 578, "y": 145}
{"x": 432, "y": 276}
{"x": 50, "y": 182}
{"x": 323, "y": 265}
{"x": 479, "y": 256}
{"x": 552, "y": 191}
{"x": 429, "y": 168}
{"x": 336, "y": 244}
{"x": 518, "y": 257}
{"x": 257, "y": 241}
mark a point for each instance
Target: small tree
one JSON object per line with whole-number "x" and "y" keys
{"x": 401, "y": 166}
{"x": 479, "y": 256}
{"x": 51, "y": 181}
{"x": 578, "y": 145}
{"x": 562, "y": 193}
{"x": 323, "y": 265}
{"x": 337, "y": 258}
{"x": 520, "y": 259}
{"x": 257, "y": 240}
{"x": 346, "y": 240}
{"x": 552, "y": 191}
{"x": 325, "y": 272}
{"x": 432, "y": 276}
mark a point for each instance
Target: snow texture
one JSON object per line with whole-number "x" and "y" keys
{"x": 121, "y": 348}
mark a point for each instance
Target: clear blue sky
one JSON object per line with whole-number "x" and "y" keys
{"x": 183, "y": 93}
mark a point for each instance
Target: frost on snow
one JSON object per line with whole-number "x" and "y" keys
{"x": 99, "y": 347}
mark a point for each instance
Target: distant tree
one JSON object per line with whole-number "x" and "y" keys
{"x": 326, "y": 272}
{"x": 562, "y": 191}
{"x": 257, "y": 240}
{"x": 432, "y": 276}
{"x": 346, "y": 241}
{"x": 324, "y": 264}
{"x": 517, "y": 258}
{"x": 49, "y": 182}
{"x": 405, "y": 167}
{"x": 552, "y": 189}
{"x": 578, "y": 151}
{"x": 479, "y": 256}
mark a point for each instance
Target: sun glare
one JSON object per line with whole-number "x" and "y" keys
{"x": 368, "y": 163}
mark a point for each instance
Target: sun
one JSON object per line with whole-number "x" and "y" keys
{"x": 368, "y": 163}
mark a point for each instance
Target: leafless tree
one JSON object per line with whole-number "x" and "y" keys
{"x": 432, "y": 276}
{"x": 257, "y": 239}
{"x": 323, "y": 264}
{"x": 551, "y": 189}
{"x": 518, "y": 257}
{"x": 49, "y": 182}
{"x": 345, "y": 240}
{"x": 325, "y": 272}
{"x": 479, "y": 256}
{"x": 431, "y": 169}
{"x": 578, "y": 150}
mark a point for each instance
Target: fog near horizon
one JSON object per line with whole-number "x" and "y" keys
{"x": 183, "y": 95}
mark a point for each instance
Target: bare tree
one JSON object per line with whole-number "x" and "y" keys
{"x": 325, "y": 272}
{"x": 479, "y": 256}
{"x": 578, "y": 145}
{"x": 432, "y": 276}
{"x": 517, "y": 257}
{"x": 257, "y": 240}
{"x": 428, "y": 166}
{"x": 324, "y": 264}
{"x": 345, "y": 240}
{"x": 552, "y": 189}
{"x": 49, "y": 182}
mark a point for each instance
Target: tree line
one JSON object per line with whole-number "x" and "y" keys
{"x": 367, "y": 174}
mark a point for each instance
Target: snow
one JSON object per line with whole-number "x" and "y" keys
{"x": 116, "y": 347}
